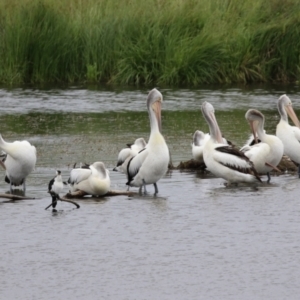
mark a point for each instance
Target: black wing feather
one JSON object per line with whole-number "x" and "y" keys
{"x": 233, "y": 151}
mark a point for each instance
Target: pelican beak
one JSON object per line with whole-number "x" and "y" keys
{"x": 253, "y": 126}
{"x": 156, "y": 106}
{"x": 2, "y": 165}
{"x": 218, "y": 133}
{"x": 289, "y": 109}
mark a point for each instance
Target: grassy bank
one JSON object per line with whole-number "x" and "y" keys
{"x": 166, "y": 42}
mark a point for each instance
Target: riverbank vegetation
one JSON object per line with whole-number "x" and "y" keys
{"x": 161, "y": 42}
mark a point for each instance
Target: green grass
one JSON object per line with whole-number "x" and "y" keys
{"x": 165, "y": 42}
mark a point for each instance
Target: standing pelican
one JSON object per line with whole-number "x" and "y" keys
{"x": 150, "y": 164}
{"x": 93, "y": 179}
{"x": 267, "y": 154}
{"x": 289, "y": 135}
{"x": 55, "y": 187}
{"x": 19, "y": 162}
{"x": 126, "y": 153}
{"x": 223, "y": 160}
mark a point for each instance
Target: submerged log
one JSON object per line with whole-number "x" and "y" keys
{"x": 285, "y": 165}
{"x": 63, "y": 200}
{"x": 81, "y": 194}
{"x": 13, "y": 197}
{"x": 190, "y": 165}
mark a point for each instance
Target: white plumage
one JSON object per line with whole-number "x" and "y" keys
{"x": 222, "y": 160}
{"x": 289, "y": 135}
{"x": 150, "y": 164}
{"x": 93, "y": 180}
{"x": 126, "y": 153}
{"x": 266, "y": 154}
{"x": 19, "y": 162}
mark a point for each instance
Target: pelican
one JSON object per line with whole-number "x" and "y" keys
{"x": 222, "y": 160}
{"x": 93, "y": 179}
{"x": 199, "y": 140}
{"x": 150, "y": 164}
{"x": 55, "y": 187}
{"x": 19, "y": 162}
{"x": 289, "y": 135}
{"x": 126, "y": 153}
{"x": 267, "y": 154}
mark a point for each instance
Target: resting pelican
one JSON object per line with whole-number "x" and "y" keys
{"x": 289, "y": 135}
{"x": 55, "y": 187}
{"x": 126, "y": 153}
{"x": 150, "y": 164}
{"x": 222, "y": 160}
{"x": 199, "y": 140}
{"x": 19, "y": 161}
{"x": 93, "y": 179}
{"x": 267, "y": 154}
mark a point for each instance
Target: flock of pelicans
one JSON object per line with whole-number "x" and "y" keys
{"x": 145, "y": 163}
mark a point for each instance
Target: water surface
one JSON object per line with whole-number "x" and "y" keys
{"x": 195, "y": 240}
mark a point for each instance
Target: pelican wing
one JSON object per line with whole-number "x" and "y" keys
{"x": 257, "y": 150}
{"x": 296, "y": 132}
{"x": 124, "y": 153}
{"x": 78, "y": 175}
{"x": 135, "y": 164}
{"x": 235, "y": 160}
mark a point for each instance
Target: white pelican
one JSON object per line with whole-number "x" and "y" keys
{"x": 222, "y": 160}
{"x": 289, "y": 135}
{"x": 150, "y": 164}
{"x": 55, "y": 187}
{"x": 93, "y": 180}
{"x": 19, "y": 162}
{"x": 126, "y": 153}
{"x": 199, "y": 140}
{"x": 266, "y": 154}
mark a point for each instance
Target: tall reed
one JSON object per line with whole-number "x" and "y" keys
{"x": 166, "y": 42}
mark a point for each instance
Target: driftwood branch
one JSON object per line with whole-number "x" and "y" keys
{"x": 13, "y": 197}
{"x": 81, "y": 194}
{"x": 64, "y": 200}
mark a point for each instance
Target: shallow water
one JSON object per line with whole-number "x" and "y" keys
{"x": 195, "y": 240}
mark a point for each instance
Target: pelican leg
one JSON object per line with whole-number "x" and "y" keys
{"x": 144, "y": 184}
{"x": 24, "y": 185}
{"x": 155, "y": 188}
{"x": 269, "y": 177}
{"x": 140, "y": 190}
{"x": 54, "y": 201}
{"x": 10, "y": 188}
{"x": 299, "y": 170}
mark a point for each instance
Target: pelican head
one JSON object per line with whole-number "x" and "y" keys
{"x": 58, "y": 172}
{"x": 208, "y": 112}
{"x": 99, "y": 167}
{"x": 198, "y": 137}
{"x": 285, "y": 108}
{"x": 154, "y": 102}
{"x": 140, "y": 142}
{"x": 256, "y": 120}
